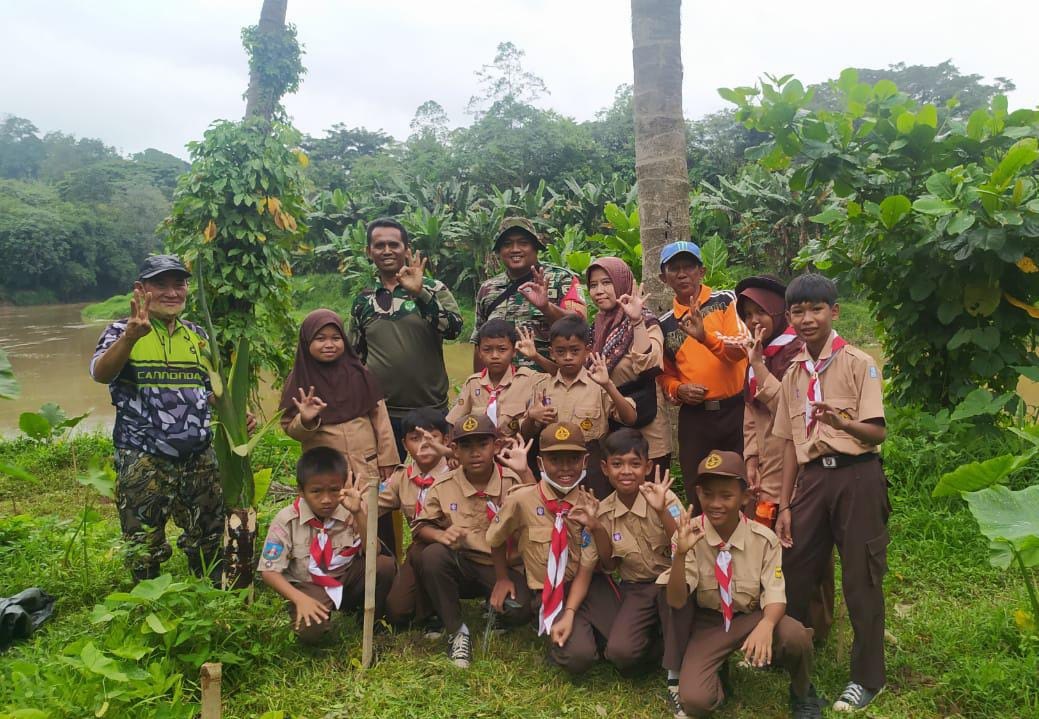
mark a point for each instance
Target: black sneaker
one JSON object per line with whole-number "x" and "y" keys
{"x": 460, "y": 649}
{"x": 855, "y": 697}
{"x": 434, "y": 628}
{"x": 806, "y": 707}
{"x": 674, "y": 703}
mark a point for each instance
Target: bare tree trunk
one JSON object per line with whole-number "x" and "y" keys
{"x": 660, "y": 147}
{"x": 259, "y": 103}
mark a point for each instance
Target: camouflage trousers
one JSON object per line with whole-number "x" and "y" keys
{"x": 150, "y": 490}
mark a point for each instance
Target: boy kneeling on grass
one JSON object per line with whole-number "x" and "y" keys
{"x": 576, "y": 605}
{"x": 456, "y": 562}
{"x": 733, "y": 566}
{"x": 314, "y": 551}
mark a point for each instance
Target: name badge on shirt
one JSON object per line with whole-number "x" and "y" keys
{"x": 454, "y": 506}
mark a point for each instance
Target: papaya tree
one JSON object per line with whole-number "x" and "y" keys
{"x": 935, "y": 221}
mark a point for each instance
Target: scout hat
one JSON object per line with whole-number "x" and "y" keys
{"x": 562, "y": 437}
{"x": 674, "y": 249}
{"x": 722, "y": 464}
{"x": 518, "y": 223}
{"x": 157, "y": 264}
{"x": 473, "y": 425}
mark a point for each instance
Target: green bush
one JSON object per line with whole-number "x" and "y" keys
{"x": 114, "y": 308}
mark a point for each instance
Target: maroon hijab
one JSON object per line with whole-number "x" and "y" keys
{"x": 613, "y": 333}
{"x": 775, "y": 305}
{"x": 345, "y": 385}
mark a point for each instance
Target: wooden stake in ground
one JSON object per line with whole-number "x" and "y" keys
{"x": 211, "y": 676}
{"x": 371, "y": 553}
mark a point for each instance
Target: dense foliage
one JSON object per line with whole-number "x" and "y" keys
{"x": 936, "y": 220}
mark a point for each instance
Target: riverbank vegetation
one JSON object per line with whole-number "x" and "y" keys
{"x": 962, "y": 641}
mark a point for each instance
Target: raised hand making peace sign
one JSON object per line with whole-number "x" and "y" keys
{"x": 411, "y": 274}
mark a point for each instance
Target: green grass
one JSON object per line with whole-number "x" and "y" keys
{"x": 956, "y": 650}
{"x": 114, "y": 308}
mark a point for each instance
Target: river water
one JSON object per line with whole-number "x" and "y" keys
{"x": 50, "y": 347}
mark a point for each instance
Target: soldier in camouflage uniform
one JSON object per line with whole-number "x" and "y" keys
{"x": 151, "y": 362}
{"x": 528, "y": 294}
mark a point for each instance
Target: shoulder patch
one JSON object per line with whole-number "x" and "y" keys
{"x": 674, "y": 511}
{"x": 873, "y": 372}
{"x": 765, "y": 532}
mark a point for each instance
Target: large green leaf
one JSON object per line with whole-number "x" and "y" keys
{"x": 262, "y": 483}
{"x": 54, "y": 414}
{"x": 975, "y": 475}
{"x": 18, "y": 473}
{"x": 244, "y": 450}
{"x": 893, "y": 209}
{"x": 101, "y": 479}
{"x": 35, "y": 425}
{"x": 616, "y": 217}
{"x": 1008, "y": 516}
{"x": 9, "y": 388}
{"x": 1022, "y": 153}
{"x": 931, "y": 205}
{"x": 980, "y": 401}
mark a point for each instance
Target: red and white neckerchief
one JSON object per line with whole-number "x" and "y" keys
{"x": 423, "y": 482}
{"x": 323, "y": 561}
{"x": 558, "y": 555}
{"x": 723, "y": 573}
{"x": 774, "y": 347}
{"x": 493, "y": 509}
{"x": 494, "y": 392}
{"x": 815, "y": 387}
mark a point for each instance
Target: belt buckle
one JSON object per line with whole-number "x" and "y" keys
{"x": 830, "y": 462}
{"x": 712, "y": 405}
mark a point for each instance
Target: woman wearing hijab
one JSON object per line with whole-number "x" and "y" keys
{"x": 331, "y": 400}
{"x": 629, "y": 337}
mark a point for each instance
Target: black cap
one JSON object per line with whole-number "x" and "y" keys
{"x": 157, "y": 264}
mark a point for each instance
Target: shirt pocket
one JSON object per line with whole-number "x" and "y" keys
{"x": 588, "y": 415}
{"x": 540, "y": 534}
{"x": 847, "y": 407}
{"x": 745, "y": 594}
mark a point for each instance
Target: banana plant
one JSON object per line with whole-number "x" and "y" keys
{"x": 243, "y": 489}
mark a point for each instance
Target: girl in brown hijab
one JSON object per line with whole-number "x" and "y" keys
{"x": 628, "y": 335}
{"x": 331, "y": 400}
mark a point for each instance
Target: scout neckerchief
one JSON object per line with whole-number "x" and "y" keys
{"x": 494, "y": 392}
{"x": 423, "y": 482}
{"x": 774, "y": 347}
{"x": 815, "y": 387}
{"x": 723, "y": 573}
{"x": 558, "y": 555}
{"x": 323, "y": 561}
{"x": 493, "y": 508}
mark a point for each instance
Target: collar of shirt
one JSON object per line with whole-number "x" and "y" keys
{"x": 493, "y": 488}
{"x": 581, "y": 377}
{"x": 827, "y": 350}
{"x": 736, "y": 541}
{"x": 639, "y": 507}
{"x": 305, "y": 513}
{"x": 506, "y": 379}
{"x": 680, "y": 309}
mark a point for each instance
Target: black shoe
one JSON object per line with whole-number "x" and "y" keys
{"x": 855, "y": 697}
{"x": 460, "y": 649}
{"x": 806, "y": 707}
{"x": 144, "y": 571}
{"x": 434, "y": 628}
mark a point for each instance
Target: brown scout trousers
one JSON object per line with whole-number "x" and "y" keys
{"x": 353, "y": 595}
{"x": 407, "y": 600}
{"x": 700, "y": 430}
{"x": 449, "y": 576}
{"x": 592, "y": 624}
{"x": 847, "y": 507}
{"x": 699, "y": 685}
{"x": 645, "y": 625}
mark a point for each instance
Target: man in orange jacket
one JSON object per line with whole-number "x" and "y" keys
{"x": 701, "y": 372}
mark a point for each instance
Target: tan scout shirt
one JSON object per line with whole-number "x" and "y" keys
{"x": 517, "y": 386}
{"x": 400, "y": 492}
{"x": 851, "y": 383}
{"x": 757, "y": 568}
{"x": 453, "y": 502}
{"x": 287, "y": 547}
{"x": 525, "y": 515}
{"x": 638, "y": 536}
{"x": 647, "y": 352}
{"x": 581, "y": 401}
{"x": 760, "y": 441}
{"x": 366, "y": 444}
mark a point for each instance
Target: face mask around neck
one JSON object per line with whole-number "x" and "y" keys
{"x": 563, "y": 490}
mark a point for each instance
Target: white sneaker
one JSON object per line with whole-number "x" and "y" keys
{"x": 460, "y": 649}
{"x": 674, "y": 702}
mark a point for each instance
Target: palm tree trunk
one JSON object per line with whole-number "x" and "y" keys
{"x": 660, "y": 146}
{"x": 259, "y": 101}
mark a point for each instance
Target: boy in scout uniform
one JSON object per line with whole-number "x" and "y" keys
{"x": 424, "y": 431}
{"x": 733, "y": 568}
{"x": 501, "y": 390}
{"x": 453, "y": 522}
{"x": 549, "y": 520}
{"x": 314, "y": 552}
{"x": 831, "y": 413}
{"x": 585, "y": 396}
{"x": 632, "y": 532}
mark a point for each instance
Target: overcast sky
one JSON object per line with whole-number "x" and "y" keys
{"x": 155, "y": 73}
